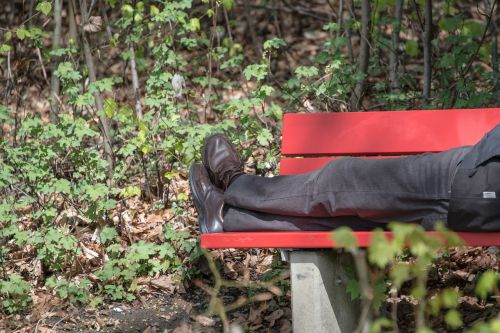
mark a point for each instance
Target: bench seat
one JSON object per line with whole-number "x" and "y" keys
{"x": 316, "y": 239}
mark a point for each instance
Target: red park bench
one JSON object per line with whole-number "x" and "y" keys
{"x": 320, "y": 302}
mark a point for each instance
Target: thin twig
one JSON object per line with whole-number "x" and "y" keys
{"x": 226, "y": 18}
{"x": 9, "y": 71}
{"x": 39, "y": 54}
{"x": 366, "y": 289}
{"x": 90, "y": 8}
{"x": 483, "y": 37}
{"x": 427, "y": 37}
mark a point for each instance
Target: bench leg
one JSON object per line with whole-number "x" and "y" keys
{"x": 320, "y": 302}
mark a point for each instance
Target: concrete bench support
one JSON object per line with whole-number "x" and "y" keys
{"x": 320, "y": 302}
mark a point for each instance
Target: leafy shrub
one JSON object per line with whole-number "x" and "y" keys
{"x": 15, "y": 294}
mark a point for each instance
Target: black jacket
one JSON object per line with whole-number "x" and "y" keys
{"x": 475, "y": 190}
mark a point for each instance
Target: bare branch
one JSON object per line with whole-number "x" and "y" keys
{"x": 364, "y": 56}
{"x": 54, "y": 81}
{"x": 393, "y": 55}
{"x": 427, "y": 38}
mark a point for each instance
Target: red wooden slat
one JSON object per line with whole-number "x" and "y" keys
{"x": 389, "y": 132}
{"x": 313, "y": 239}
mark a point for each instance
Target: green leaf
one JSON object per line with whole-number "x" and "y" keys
{"x": 110, "y": 107}
{"x": 228, "y": 4}
{"x": 411, "y": 48}
{"x": 109, "y": 204}
{"x": 265, "y": 91}
{"x": 379, "y": 293}
{"x": 400, "y": 273}
{"x": 473, "y": 28}
{"x": 486, "y": 284}
{"x": 332, "y": 26}
{"x": 107, "y": 234}
{"x": 258, "y": 71}
{"x": 450, "y": 24}
{"x": 194, "y": 24}
{"x": 353, "y": 288}
{"x": 379, "y": 252}
{"x": 95, "y": 192}
{"x": 306, "y": 71}
{"x": 65, "y": 71}
{"x": 127, "y": 10}
{"x": 62, "y": 186}
{"x": 450, "y": 298}
{"x": 101, "y": 85}
{"x": 344, "y": 237}
{"x": 45, "y": 7}
{"x": 4, "y": 48}
{"x": 274, "y": 111}
{"x": 84, "y": 100}
{"x": 131, "y": 191}
{"x": 274, "y": 43}
{"x": 22, "y": 33}
{"x": 264, "y": 137}
{"x": 5, "y": 113}
{"x": 379, "y": 325}
{"x": 453, "y": 319}
{"x": 153, "y": 10}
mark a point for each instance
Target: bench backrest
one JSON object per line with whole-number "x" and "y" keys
{"x": 320, "y": 136}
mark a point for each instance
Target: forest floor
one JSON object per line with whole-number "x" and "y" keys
{"x": 166, "y": 306}
{"x": 181, "y": 308}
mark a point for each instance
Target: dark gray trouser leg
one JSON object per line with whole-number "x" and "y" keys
{"x": 237, "y": 219}
{"x": 395, "y": 189}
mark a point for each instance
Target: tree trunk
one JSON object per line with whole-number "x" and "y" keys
{"x": 364, "y": 57}
{"x": 73, "y": 34}
{"x": 349, "y": 36}
{"x": 54, "y": 82}
{"x": 494, "y": 51}
{"x": 135, "y": 83}
{"x": 427, "y": 51}
{"x": 108, "y": 151}
{"x": 393, "y": 55}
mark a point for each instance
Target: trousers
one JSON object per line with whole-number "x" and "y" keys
{"x": 362, "y": 193}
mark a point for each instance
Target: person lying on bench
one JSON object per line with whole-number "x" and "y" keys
{"x": 460, "y": 187}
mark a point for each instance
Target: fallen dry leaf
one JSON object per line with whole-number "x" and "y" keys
{"x": 150, "y": 329}
{"x": 164, "y": 282}
{"x": 275, "y": 315}
{"x": 204, "y": 320}
{"x": 255, "y": 315}
{"x": 286, "y": 326}
{"x": 94, "y": 25}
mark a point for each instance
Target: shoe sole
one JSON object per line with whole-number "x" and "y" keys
{"x": 197, "y": 202}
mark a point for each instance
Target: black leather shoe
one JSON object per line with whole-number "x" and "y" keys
{"x": 208, "y": 199}
{"x": 222, "y": 161}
